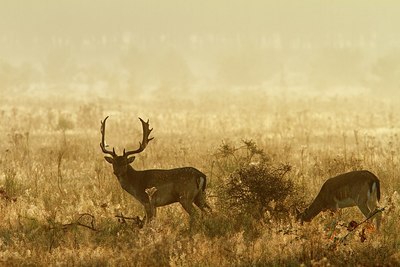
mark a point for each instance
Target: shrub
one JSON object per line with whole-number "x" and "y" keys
{"x": 253, "y": 187}
{"x": 256, "y": 189}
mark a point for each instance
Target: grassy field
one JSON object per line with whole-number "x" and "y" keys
{"x": 59, "y": 199}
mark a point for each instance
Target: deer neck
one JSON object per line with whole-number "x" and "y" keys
{"x": 131, "y": 183}
{"x": 313, "y": 210}
{"x": 128, "y": 178}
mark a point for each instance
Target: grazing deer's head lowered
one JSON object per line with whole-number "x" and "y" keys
{"x": 356, "y": 188}
{"x": 184, "y": 185}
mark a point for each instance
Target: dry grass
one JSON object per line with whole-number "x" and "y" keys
{"x": 59, "y": 199}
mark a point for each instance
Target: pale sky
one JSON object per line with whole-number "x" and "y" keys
{"x": 338, "y": 42}
{"x": 77, "y": 18}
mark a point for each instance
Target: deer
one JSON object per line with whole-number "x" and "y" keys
{"x": 355, "y": 188}
{"x": 156, "y": 187}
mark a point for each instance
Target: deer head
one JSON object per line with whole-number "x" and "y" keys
{"x": 120, "y": 163}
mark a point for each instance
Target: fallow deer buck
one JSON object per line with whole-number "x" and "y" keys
{"x": 156, "y": 187}
{"x": 356, "y": 188}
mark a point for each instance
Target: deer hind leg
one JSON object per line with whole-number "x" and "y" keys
{"x": 378, "y": 218}
{"x": 364, "y": 209}
{"x": 194, "y": 221}
{"x": 372, "y": 203}
{"x": 369, "y": 205}
{"x": 187, "y": 206}
{"x": 368, "y": 211}
{"x": 200, "y": 201}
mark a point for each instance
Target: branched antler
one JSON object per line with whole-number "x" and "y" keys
{"x": 145, "y": 140}
{"x": 102, "y": 144}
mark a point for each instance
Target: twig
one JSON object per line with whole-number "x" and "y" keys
{"x": 136, "y": 219}
{"x": 126, "y": 218}
{"x": 78, "y": 223}
{"x": 376, "y": 211}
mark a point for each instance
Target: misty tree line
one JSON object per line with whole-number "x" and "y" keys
{"x": 131, "y": 64}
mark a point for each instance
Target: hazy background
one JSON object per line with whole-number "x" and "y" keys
{"x": 232, "y": 88}
{"x": 128, "y": 48}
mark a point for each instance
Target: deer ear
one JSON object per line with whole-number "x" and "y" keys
{"x": 109, "y": 159}
{"x": 131, "y": 159}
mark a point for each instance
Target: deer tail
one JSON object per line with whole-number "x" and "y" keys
{"x": 205, "y": 182}
{"x": 378, "y": 190}
{"x": 201, "y": 181}
{"x": 375, "y": 185}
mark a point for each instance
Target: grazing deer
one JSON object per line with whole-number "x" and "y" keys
{"x": 356, "y": 188}
{"x": 155, "y": 188}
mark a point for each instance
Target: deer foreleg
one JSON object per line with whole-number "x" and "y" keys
{"x": 150, "y": 211}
